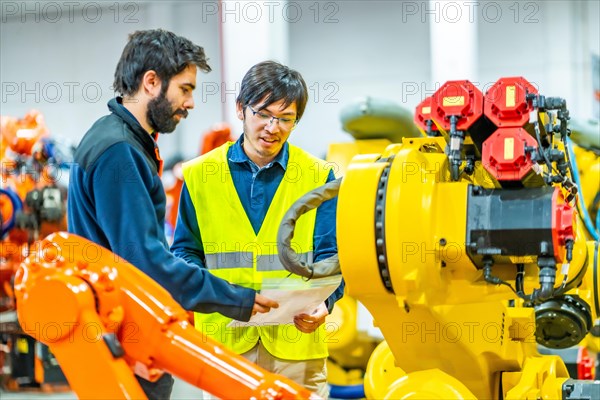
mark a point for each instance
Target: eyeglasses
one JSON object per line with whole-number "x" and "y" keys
{"x": 284, "y": 122}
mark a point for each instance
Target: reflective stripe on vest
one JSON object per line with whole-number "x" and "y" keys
{"x": 237, "y": 254}
{"x": 244, "y": 260}
{"x": 229, "y": 260}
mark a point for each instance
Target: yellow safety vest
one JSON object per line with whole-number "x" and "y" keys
{"x": 235, "y": 253}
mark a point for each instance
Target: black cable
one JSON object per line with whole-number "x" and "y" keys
{"x": 488, "y": 277}
{"x": 519, "y": 283}
{"x": 536, "y": 128}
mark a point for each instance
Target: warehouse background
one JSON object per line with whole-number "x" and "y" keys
{"x": 59, "y": 57}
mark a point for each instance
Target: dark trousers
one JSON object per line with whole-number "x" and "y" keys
{"x": 159, "y": 390}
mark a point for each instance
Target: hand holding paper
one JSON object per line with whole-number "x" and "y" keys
{"x": 263, "y": 304}
{"x": 295, "y": 297}
{"x": 308, "y": 323}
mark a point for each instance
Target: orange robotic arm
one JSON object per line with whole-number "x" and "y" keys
{"x": 103, "y": 318}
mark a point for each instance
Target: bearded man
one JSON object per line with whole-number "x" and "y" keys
{"x": 116, "y": 198}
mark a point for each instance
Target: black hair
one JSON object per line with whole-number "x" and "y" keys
{"x": 155, "y": 50}
{"x": 269, "y": 82}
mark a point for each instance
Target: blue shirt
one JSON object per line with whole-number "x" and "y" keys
{"x": 116, "y": 199}
{"x": 256, "y": 188}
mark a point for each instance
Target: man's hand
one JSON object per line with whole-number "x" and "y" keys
{"x": 309, "y": 323}
{"x": 263, "y": 304}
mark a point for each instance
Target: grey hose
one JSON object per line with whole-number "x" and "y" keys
{"x": 288, "y": 257}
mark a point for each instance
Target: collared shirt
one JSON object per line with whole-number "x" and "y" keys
{"x": 256, "y": 188}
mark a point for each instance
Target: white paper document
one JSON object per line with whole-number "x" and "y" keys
{"x": 294, "y": 297}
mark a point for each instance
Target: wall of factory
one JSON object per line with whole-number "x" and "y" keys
{"x": 381, "y": 49}
{"x": 61, "y": 60}
{"x": 64, "y": 64}
{"x": 551, "y": 43}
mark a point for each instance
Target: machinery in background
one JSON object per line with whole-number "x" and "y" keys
{"x": 374, "y": 124}
{"x": 217, "y": 135}
{"x": 586, "y": 156}
{"x": 586, "y": 161}
{"x": 350, "y": 348}
{"x": 32, "y": 205}
{"x": 123, "y": 322}
{"x": 467, "y": 248}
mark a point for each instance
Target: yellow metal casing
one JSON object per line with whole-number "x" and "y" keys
{"x": 382, "y": 372}
{"x": 437, "y": 312}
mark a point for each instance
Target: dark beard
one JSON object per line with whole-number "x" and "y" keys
{"x": 161, "y": 116}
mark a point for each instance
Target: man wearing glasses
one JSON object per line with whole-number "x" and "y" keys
{"x": 230, "y": 209}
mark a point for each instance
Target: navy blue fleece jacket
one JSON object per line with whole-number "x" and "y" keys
{"x": 116, "y": 199}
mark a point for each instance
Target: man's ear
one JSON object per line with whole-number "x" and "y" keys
{"x": 240, "y": 110}
{"x": 151, "y": 83}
